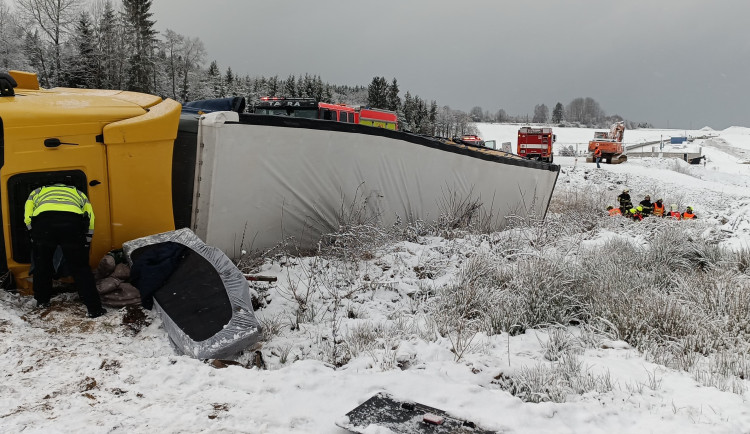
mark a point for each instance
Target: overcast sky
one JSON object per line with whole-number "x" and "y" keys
{"x": 674, "y": 63}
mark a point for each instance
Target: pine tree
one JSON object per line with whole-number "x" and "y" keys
{"x": 420, "y": 117}
{"x": 433, "y": 117}
{"x": 393, "y": 102}
{"x": 229, "y": 76}
{"x": 214, "y": 79}
{"x": 274, "y": 86}
{"x": 308, "y": 87}
{"x": 318, "y": 89}
{"x": 557, "y": 113}
{"x": 408, "y": 120}
{"x": 110, "y": 47}
{"x": 290, "y": 87}
{"x": 377, "y": 93}
{"x": 140, "y": 67}
{"x": 37, "y": 55}
{"x": 84, "y": 70}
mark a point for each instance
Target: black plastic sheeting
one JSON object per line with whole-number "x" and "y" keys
{"x": 201, "y": 296}
{"x": 185, "y": 285}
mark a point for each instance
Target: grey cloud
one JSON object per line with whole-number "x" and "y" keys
{"x": 676, "y": 63}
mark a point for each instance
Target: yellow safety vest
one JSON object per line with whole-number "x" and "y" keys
{"x": 58, "y": 197}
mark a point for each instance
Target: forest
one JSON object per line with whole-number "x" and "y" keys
{"x": 106, "y": 44}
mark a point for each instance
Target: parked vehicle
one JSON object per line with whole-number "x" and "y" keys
{"x": 311, "y": 109}
{"x": 610, "y": 143}
{"x": 469, "y": 139}
{"x": 536, "y": 143}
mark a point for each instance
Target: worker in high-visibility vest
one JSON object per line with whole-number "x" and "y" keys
{"x": 673, "y": 212}
{"x": 689, "y": 214}
{"x": 659, "y": 208}
{"x": 613, "y": 211}
{"x": 597, "y": 155}
{"x": 61, "y": 215}
{"x": 636, "y": 213}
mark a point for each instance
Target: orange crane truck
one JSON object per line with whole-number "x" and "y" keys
{"x": 610, "y": 143}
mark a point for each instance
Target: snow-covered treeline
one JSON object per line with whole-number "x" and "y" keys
{"x": 106, "y": 44}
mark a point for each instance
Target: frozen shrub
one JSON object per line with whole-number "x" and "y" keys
{"x": 555, "y": 382}
{"x": 559, "y": 343}
{"x": 531, "y": 293}
{"x": 360, "y": 338}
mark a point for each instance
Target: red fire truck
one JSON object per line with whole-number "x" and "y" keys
{"x": 312, "y": 109}
{"x": 536, "y": 143}
{"x": 377, "y": 118}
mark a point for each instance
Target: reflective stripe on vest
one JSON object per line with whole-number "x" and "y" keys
{"x": 57, "y": 198}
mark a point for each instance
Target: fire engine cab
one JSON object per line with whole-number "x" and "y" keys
{"x": 536, "y": 143}
{"x": 312, "y": 109}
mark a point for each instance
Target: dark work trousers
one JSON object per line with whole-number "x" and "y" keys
{"x": 50, "y": 229}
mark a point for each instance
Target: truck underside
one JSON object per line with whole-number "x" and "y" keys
{"x": 609, "y": 158}
{"x": 540, "y": 157}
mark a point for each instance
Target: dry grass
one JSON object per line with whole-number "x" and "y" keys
{"x": 662, "y": 287}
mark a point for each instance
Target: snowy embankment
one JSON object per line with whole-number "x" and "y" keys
{"x": 426, "y": 317}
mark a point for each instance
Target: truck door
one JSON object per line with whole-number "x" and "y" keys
{"x": 44, "y": 154}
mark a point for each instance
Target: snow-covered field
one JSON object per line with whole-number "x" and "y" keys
{"x": 65, "y": 373}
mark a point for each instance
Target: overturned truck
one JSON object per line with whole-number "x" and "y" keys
{"x": 240, "y": 181}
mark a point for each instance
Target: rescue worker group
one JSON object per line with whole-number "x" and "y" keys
{"x": 647, "y": 208}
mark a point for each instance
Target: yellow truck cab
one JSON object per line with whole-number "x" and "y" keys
{"x": 110, "y": 144}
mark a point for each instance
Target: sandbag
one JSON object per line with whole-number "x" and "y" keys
{"x": 106, "y": 267}
{"x": 107, "y": 285}
{"x": 122, "y": 272}
{"x": 125, "y": 295}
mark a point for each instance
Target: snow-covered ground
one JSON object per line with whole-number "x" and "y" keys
{"x": 65, "y": 373}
